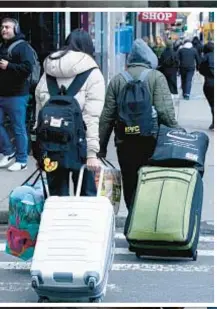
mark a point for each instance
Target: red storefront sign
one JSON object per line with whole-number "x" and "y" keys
{"x": 158, "y": 17}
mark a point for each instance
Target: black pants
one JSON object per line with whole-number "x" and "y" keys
{"x": 58, "y": 182}
{"x": 132, "y": 156}
{"x": 186, "y": 77}
{"x": 209, "y": 94}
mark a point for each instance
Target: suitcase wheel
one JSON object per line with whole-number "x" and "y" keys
{"x": 195, "y": 256}
{"x": 43, "y": 300}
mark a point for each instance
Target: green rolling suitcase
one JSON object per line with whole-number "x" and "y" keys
{"x": 165, "y": 217}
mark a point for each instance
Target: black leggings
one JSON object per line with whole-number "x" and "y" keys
{"x": 132, "y": 156}
{"x": 58, "y": 182}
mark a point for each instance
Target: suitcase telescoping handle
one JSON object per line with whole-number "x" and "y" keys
{"x": 80, "y": 181}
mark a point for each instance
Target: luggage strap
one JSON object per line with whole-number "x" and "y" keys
{"x": 128, "y": 77}
{"x": 73, "y": 88}
{"x": 39, "y": 171}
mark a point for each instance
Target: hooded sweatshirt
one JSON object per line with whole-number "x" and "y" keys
{"x": 188, "y": 57}
{"x": 14, "y": 80}
{"x": 90, "y": 97}
{"x": 140, "y": 59}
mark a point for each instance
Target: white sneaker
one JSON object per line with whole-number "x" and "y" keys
{"x": 17, "y": 166}
{"x": 6, "y": 160}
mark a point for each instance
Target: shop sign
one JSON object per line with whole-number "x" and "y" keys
{"x": 158, "y": 17}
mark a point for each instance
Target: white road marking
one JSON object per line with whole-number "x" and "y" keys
{"x": 127, "y": 267}
{"x": 162, "y": 268}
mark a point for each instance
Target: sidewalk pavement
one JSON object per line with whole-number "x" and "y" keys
{"x": 192, "y": 115}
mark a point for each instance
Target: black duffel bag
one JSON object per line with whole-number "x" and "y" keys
{"x": 178, "y": 148}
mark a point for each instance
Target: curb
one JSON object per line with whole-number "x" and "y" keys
{"x": 206, "y": 227}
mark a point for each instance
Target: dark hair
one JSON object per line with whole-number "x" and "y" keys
{"x": 78, "y": 40}
{"x": 208, "y": 48}
{"x": 195, "y": 40}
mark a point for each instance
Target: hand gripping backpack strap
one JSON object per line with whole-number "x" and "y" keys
{"x": 78, "y": 82}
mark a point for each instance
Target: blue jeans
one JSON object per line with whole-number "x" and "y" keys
{"x": 186, "y": 76}
{"x": 15, "y": 108}
{"x": 58, "y": 182}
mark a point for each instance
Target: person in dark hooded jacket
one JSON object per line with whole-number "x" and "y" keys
{"x": 189, "y": 60}
{"x": 207, "y": 70}
{"x": 197, "y": 45}
{"x": 15, "y": 69}
{"x": 134, "y": 153}
{"x": 169, "y": 64}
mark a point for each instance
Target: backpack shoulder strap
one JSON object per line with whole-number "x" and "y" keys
{"x": 78, "y": 82}
{"x": 14, "y": 44}
{"x": 52, "y": 85}
{"x": 144, "y": 75}
{"x": 127, "y": 76}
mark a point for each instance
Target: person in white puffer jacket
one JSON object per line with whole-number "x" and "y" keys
{"x": 74, "y": 58}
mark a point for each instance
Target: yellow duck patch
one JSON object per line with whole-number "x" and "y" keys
{"x": 50, "y": 166}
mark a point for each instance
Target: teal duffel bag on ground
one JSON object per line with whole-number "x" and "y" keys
{"x": 165, "y": 217}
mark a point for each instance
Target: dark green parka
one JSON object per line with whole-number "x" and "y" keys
{"x": 140, "y": 59}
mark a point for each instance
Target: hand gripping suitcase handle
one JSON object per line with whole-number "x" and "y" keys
{"x": 80, "y": 181}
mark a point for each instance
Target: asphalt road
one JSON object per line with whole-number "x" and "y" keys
{"x": 131, "y": 280}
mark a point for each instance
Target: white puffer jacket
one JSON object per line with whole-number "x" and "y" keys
{"x": 91, "y": 96}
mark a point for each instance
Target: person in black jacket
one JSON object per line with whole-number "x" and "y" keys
{"x": 15, "y": 68}
{"x": 207, "y": 70}
{"x": 197, "y": 45}
{"x": 169, "y": 64}
{"x": 188, "y": 61}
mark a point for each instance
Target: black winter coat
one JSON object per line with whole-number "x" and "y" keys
{"x": 168, "y": 65}
{"x": 188, "y": 58}
{"x": 14, "y": 80}
{"x": 207, "y": 69}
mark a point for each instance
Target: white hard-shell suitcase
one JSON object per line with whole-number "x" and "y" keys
{"x": 75, "y": 248}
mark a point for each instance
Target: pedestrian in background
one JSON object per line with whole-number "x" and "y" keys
{"x": 159, "y": 46}
{"x": 74, "y": 58}
{"x": 169, "y": 64}
{"x": 197, "y": 45}
{"x": 134, "y": 151}
{"x": 15, "y": 69}
{"x": 148, "y": 41}
{"x": 207, "y": 70}
{"x": 177, "y": 45}
{"x": 189, "y": 60}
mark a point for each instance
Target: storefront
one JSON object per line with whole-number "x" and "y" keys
{"x": 45, "y": 31}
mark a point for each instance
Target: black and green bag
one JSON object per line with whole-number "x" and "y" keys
{"x": 165, "y": 217}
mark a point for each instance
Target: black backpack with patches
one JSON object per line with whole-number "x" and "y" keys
{"x": 135, "y": 111}
{"x": 61, "y": 131}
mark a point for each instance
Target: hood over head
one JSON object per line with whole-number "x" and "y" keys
{"x": 208, "y": 48}
{"x": 69, "y": 65}
{"x": 142, "y": 53}
{"x": 195, "y": 40}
